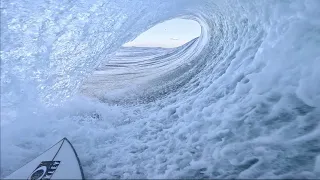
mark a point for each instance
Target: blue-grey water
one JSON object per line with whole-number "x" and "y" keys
{"x": 240, "y": 101}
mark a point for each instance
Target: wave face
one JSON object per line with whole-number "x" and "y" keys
{"x": 241, "y": 101}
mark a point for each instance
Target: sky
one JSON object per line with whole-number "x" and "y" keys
{"x": 169, "y": 34}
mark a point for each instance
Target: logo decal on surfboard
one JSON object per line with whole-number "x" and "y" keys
{"x": 45, "y": 170}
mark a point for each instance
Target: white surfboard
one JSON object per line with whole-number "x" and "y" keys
{"x": 58, "y": 162}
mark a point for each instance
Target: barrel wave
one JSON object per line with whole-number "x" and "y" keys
{"x": 240, "y": 101}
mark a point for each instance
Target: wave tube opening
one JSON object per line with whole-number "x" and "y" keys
{"x": 160, "y": 54}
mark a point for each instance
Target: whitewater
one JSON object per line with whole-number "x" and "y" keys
{"x": 240, "y": 101}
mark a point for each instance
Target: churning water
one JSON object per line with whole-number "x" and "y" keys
{"x": 240, "y": 101}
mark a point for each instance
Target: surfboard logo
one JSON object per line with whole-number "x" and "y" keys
{"x": 44, "y": 171}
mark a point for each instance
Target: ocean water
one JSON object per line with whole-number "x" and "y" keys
{"x": 240, "y": 101}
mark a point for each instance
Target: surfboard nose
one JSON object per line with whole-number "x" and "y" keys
{"x": 58, "y": 162}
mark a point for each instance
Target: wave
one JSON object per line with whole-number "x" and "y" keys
{"x": 241, "y": 101}
{"x": 141, "y": 75}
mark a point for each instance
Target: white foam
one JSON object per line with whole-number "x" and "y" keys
{"x": 243, "y": 102}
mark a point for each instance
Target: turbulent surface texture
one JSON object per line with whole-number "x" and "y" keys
{"x": 241, "y": 101}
